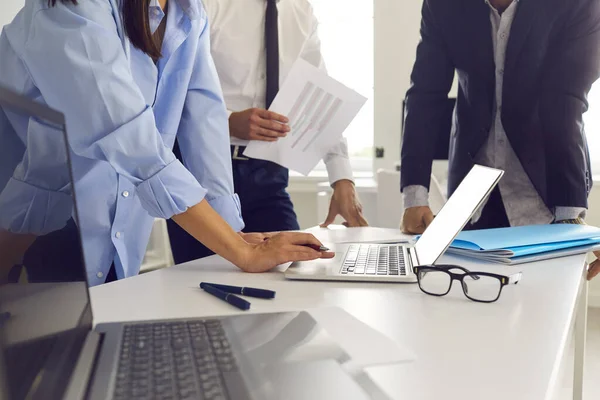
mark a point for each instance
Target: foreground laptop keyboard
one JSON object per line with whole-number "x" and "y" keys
{"x": 177, "y": 360}
{"x": 374, "y": 259}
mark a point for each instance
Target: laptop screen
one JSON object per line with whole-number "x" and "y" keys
{"x": 460, "y": 207}
{"x": 45, "y": 310}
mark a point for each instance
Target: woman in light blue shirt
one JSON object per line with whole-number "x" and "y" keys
{"x": 129, "y": 79}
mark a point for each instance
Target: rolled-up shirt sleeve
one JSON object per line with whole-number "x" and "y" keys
{"x": 76, "y": 58}
{"x": 203, "y": 136}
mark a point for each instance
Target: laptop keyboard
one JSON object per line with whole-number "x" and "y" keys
{"x": 177, "y": 360}
{"x": 374, "y": 259}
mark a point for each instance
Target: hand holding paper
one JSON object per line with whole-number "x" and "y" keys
{"x": 258, "y": 124}
{"x": 318, "y": 108}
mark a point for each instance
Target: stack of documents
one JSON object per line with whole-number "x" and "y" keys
{"x": 526, "y": 243}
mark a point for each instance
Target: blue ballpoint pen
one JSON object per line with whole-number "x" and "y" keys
{"x": 228, "y": 297}
{"x": 244, "y": 291}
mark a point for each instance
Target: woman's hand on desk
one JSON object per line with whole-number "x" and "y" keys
{"x": 202, "y": 222}
{"x": 282, "y": 248}
{"x": 256, "y": 238}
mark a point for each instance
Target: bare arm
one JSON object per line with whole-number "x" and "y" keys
{"x": 205, "y": 225}
{"x": 202, "y": 222}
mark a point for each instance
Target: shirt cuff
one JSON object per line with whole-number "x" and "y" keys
{"x": 338, "y": 168}
{"x": 171, "y": 191}
{"x": 415, "y": 196}
{"x": 27, "y": 209}
{"x": 564, "y": 213}
{"x": 230, "y": 209}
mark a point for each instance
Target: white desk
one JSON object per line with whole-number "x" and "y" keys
{"x": 511, "y": 349}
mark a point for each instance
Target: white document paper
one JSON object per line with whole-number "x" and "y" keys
{"x": 319, "y": 109}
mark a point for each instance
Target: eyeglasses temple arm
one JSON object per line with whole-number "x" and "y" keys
{"x": 514, "y": 278}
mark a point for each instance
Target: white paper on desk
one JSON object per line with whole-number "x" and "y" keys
{"x": 337, "y": 235}
{"x": 319, "y": 109}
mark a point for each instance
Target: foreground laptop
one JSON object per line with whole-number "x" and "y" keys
{"x": 50, "y": 350}
{"x": 395, "y": 262}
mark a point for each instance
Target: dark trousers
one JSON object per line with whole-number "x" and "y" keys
{"x": 56, "y": 257}
{"x": 266, "y": 205}
{"x": 493, "y": 215}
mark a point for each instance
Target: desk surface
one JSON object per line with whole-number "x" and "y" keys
{"x": 464, "y": 350}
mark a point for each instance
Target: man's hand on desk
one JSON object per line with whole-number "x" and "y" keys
{"x": 258, "y": 124}
{"x": 345, "y": 202}
{"x": 594, "y": 267}
{"x": 282, "y": 248}
{"x": 416, "y": 219}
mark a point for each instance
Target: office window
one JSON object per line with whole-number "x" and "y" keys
{"x": 592, "y": 127}
{"x": 346, "y": 32}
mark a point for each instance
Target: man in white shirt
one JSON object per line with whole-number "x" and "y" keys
{"x": 254, "y": 44}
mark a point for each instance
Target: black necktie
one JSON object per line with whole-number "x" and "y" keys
{"x": 272, "y": 48}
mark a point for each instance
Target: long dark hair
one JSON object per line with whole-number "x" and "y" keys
{"x": 137, "y": 25}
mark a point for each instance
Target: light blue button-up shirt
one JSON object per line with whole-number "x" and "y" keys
{"x": 123, "y": 113}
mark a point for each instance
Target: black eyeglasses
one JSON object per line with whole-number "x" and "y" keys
{"x": 482, "y": 287}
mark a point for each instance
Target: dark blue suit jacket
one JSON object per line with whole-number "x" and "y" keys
{"x": 552, "y": 60}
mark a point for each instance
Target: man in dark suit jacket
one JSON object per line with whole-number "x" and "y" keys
{"x": 524, "y": 69}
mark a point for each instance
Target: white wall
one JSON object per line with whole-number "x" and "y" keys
{"x": 397, "y": 26}
{"x": 8, "y": 10}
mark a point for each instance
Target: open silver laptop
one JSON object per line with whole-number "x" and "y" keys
{"x": 50, "y": 348}
{"x": 394, "y": 262}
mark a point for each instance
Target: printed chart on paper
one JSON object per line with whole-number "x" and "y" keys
{"x": 319, "y": 109}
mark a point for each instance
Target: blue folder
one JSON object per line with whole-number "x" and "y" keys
{"x": 504, "y": 244}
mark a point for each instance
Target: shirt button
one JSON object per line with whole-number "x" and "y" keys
{"x": 118, "y": 235}
{"x": 125, "y": 194}
{"x": 99, "y": 274}
{"x": 262, "y": 76}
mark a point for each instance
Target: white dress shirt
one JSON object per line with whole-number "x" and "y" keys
{"x": 522, "y": 202}
{"x": 237, "y": 30}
